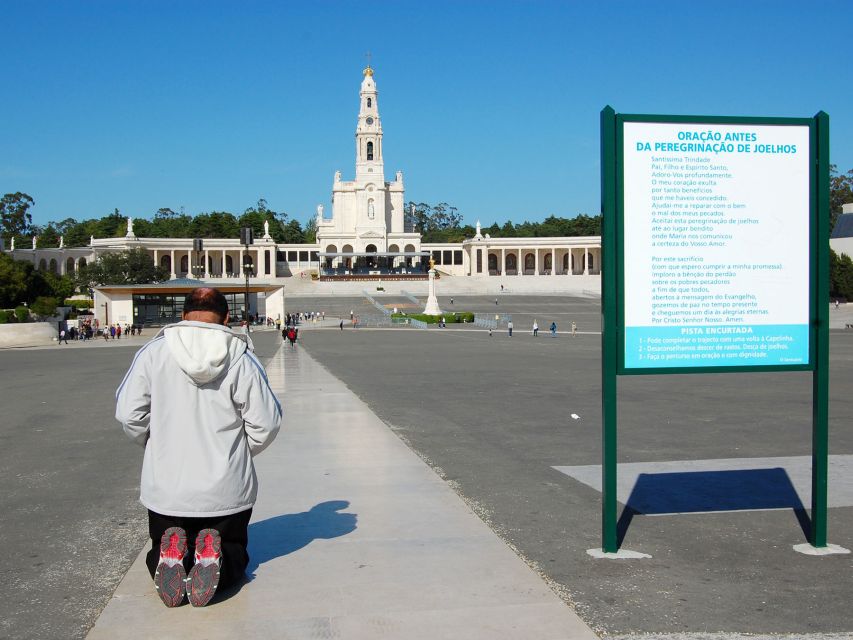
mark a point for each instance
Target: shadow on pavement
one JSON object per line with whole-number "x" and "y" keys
{"x": 712, "y": 491}
{"x": 275, "y": 537}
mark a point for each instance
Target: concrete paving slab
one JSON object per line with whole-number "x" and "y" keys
{"x": 353, "y": 536}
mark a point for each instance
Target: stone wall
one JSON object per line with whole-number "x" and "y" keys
{"x": 28, "y": 334}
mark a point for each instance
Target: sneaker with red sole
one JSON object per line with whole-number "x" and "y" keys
{"x": 204, "y": 576}
{"x": 170, "y": 576}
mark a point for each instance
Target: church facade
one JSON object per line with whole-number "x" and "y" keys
{"x": 368, "y": 235}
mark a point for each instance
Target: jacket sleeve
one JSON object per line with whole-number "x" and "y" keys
{"x": 259, "y": 408}
{"x": 133, "y": 400}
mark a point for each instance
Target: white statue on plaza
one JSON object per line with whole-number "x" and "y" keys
{"x": 266, "y": 229}
{"x": 320, "y": 210}
{"x": 91, "y": 240}
{"x": 337, "y": 176}
{"x": 61, "y": 241}
{"x": 478, "y": 235}
{"x": 13, "y": 243}
{"x": 129, "y": 233}
{"x": 35, "y": 241}
{"x": 432, "y": 308}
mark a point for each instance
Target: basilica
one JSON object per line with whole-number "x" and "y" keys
{"x": 368, "y": 236}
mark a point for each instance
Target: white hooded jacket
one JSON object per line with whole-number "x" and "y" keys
{"x": 198, "y": 400}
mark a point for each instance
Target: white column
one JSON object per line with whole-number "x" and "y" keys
{"x": 553, "y": 261}
{"x": 519, "y": 264}
{"x": 156, "y": 261}
{"x": 240, "y": 267}
{"x": 585, "y": 261}
{"x": 503, "y": 262}
{"x": 172, "y": 264}
{"x": 222, "y": 264}
{"x": 536, "y": 262}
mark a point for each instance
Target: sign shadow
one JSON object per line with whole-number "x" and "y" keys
{"x": 712, "y": 491}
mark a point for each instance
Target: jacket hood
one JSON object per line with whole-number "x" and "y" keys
{"x": 202, "y": 350}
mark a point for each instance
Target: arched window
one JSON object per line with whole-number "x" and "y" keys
{"x": 370, "y": 151}
{"x": 53, "y": 265}
{"x": 529, "y": 262}
{"x": 511, "y": 262}
{"x": 42, "y": 265}
{"x": 69, "y": 265}
{"x": 369, "y": 102}
{"x": 547, "y": 261}
{"x": 565, "y": 263}
{"x": 229, "y": 264}
{"x": 589, "y": 262}
{"x": 185, "y": 263}
{"x": 493, "y": 263}
{"x": 166, "y": 263}
{"x": 81, "y": 263}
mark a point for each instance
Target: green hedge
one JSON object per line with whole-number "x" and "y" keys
{"x": 77, "y": 303}
{"x": 4, "y": 316}
{"x": 22, "y": 313}
{"x": 449, "y": 318}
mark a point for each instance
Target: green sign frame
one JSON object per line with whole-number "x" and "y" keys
{"x": 613, "y": 302}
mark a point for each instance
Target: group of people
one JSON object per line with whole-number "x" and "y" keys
{"x": 115, "y": 331}
{"x": 290, "y": 333}
{"x": 552, "y": 328}
{"x": 87, "y": 332}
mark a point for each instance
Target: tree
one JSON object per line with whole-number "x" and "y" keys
{"x": 14, "y": 280}
{"x": 840, "y": 192}
{"x": 840, "y": 276}
{"x": 15, "y": 218}
{"x": 293, "y": 233}
{"x": 135, "y": 266}
{"x": 310, "y": 233}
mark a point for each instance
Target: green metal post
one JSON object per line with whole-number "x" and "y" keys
{"x": 609, "y": 355}
{"x": 820, "y": 377}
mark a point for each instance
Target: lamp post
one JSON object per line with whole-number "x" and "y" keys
{"x": 197, "y": 268}
{"x": 247, "y": 238}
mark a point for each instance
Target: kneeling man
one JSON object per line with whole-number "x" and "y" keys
{"x": 198, "y": 400}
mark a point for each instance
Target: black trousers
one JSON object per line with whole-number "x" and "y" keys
{"x": 234, "y": 530}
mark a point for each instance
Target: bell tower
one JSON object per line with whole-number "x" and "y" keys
{"x": 368, "y": 134}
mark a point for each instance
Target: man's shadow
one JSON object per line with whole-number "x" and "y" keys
{"x": 276, "y": 537}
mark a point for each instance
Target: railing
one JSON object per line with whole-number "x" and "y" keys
{"x": 486, "y": 323}
{"x": 374, "y": 321}
{"x": 411, "y": 297}
{"x": 418, "y": 324}
{"x": 381, "y": 307}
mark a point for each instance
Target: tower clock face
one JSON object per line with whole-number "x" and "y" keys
{"x": 370, "y": 121}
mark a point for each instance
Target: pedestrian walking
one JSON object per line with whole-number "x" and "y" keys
{"x": 553, "y": 329}
{"x": 496, "y": 302}
{"x": 63, "y": 336}
{"x": 535, "y": 329}
{"x": 291, "y": 336}
{"x": 342, "y": 324}
{"x": 574, "y": 328}
{"x": 451, "y": 299}
{"x": 198, "y": 400}
{"x": 509, "y": 328}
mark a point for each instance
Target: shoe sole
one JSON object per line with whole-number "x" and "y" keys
{"x": 203, "y": 578}
{"x": 170, "y": 576}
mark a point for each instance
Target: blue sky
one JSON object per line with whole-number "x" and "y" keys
{"x": 491, "y": 106}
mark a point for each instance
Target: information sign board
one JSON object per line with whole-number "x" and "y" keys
{"x": 715, "y": 232}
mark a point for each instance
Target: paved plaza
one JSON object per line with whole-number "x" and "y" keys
{"x": 713, "y": 468}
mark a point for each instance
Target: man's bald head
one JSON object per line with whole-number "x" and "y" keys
{"x": 206, "y": 304}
